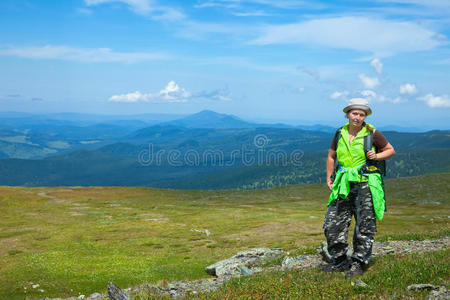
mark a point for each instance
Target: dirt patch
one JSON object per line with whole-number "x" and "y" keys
{"x": 55, "y": 199}
{"x": 81, "y": 207}
{"x": 75, "y": 213}
{"x": 277, "y": 231}
{"x": 7, "y": 245}
{"x": 161, "y": 220}
{"x": 31, "y": 214}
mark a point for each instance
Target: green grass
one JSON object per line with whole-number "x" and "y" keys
{"x": 387, "y": 278}
{"x": 75, "y": 240}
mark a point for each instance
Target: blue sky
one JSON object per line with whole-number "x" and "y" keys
{"x": 289, "y": 61}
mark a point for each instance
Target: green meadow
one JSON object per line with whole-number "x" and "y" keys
{"x": 73, "y": 240}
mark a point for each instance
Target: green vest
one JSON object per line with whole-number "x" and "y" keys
{"x": 351, "y": 158}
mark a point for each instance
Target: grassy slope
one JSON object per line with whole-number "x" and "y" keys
{"x": 75, "y": 240}
{"x": 388, "y": 279}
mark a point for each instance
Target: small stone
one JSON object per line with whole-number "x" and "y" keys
{"x": 95, "y": 296}
{"x": 359, "y": 284}
{"x": 81, "y": 297}
{"x": 35, "y": 285}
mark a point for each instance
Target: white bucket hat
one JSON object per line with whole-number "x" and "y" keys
{"x": 358, "y": 103}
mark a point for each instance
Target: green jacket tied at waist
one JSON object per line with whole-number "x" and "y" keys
{"x": 341, "y": 187}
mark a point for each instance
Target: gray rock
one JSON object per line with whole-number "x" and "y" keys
{"x": 420, "y": 286}
{"x": 359, "y": 284}
{"x": 290, "y": 263}
{"x": 70, "y": 298}
{"x": 241, "y": 263}
{"x": 95, "y": 296}
{"x": 439, "y": 294}
{"x": 115, "y": 293}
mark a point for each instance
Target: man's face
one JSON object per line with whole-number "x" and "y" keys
{"x": 356, "y": 117}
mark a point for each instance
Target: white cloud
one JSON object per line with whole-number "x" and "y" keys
{"x": 216, "y": 4}
{"x": 408, "y": 88}
{"x": 171, "y": 93}
{"x": 167, "y": 14}
{"x": 145, "y": 7}
{"x": 257, "y": 13}
{"x": 398, "y": 100}
{"x": 377, "y": 65}
{"x": 369, "y": 94}
{"x": 372, "y": 96}
{"x": 130, "y": 97}
{"x": 217, "y": 94}
{"x": 283, "y": 4}
{"x": 379, "y": 36}
{"x": 369, "y": 82}
{"x": 138, "y": 6}
{"x": 439, "y": 4}
{"x": 339, "y": 95}
{"x": 195, "y": 30}
{"x": 80, "y": 54}
{"x": 436, "y": 101}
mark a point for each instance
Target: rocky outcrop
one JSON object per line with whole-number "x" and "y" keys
{"x": 437, "y": 292}
{"x": 245, "y": 262}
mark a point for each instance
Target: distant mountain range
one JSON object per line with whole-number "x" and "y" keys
{"x": 203, "y": 150}
{"x": 32, "y": 136}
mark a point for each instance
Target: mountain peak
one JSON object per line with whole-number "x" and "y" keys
{"x": 210, "y": 119}
{"x": 212, "y": 114}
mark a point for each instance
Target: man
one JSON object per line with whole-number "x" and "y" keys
{"x": 356, "y": 189}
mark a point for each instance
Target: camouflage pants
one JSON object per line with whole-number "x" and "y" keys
{"x": 337, "y": 221}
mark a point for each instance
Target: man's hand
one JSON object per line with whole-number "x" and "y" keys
{"x": 371, "y": 155}
{"x": 329, "y": 183}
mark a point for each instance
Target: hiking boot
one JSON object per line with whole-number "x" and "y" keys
{"x": 355, "y": 269}
{"x": 340, "y": 267}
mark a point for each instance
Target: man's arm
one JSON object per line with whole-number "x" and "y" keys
{"x": 385, "y": 153}
{"x": 330, "y": 167}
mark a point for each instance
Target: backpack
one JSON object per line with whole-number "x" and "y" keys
{"x": 372, "y": 166}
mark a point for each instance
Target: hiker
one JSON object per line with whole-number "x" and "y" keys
{"x": 354, "y": 167}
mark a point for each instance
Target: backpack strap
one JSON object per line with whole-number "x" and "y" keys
{"x": 368, "y": 141}
{"x": 377, "y": 165}
{"x": 380, "y": 165}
